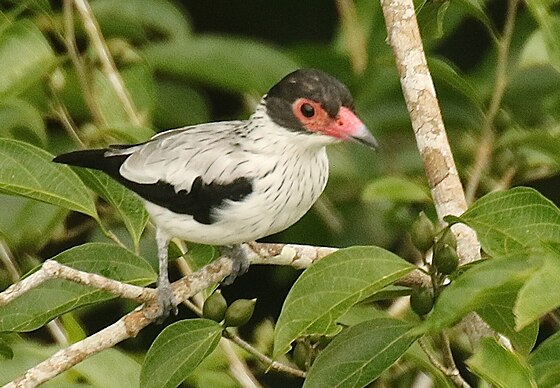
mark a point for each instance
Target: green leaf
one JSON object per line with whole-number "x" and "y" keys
{"x": 361, "y": 353}
{"x": 95, "y": 369}
{"x": 477, "y": 9}
{"x": 6, "y": 351}
{"x": 508, "y": 221}
{"x": 498, "y": 313}
{"x": 416, "y": 355}
{"x": 550, "y": 28}
{"x": 139, "y": 82}
{"x": 55, "y": 297}
{"x": 25, "y": 56}
{"x": 545, "y": 361}
{"x": 21, "y": 120}
{"x": 177, "y": 351}
{"x": 540, "y": 294}
{"x": 28, "y": 171}
{"x": 254, "y": 68}
{"x": 179, "y": 105}
{"x": 27, "y": 224}
{"x": 499, "y": 366}
{"x": 474, "y": 288}
{"x": 395, "y": 189}
{"x": 127, "y": 204}
{"x": 327, "y": 290}
{"x": 141, "y": 20}
{"x": 91, "y": 372}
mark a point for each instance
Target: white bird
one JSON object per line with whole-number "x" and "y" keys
{"x": 226, "y": 183}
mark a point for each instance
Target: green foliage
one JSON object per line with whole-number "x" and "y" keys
{"x": 180, "y": 68}
{"x": 177, "y": 351}
{"x": 330, "y": 287}
{"x": 500, "y": 367}
{"x": 55, "y": 297}
{"x": 361, "y": 353}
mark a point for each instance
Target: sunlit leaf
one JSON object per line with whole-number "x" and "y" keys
{"x": 474, "y": 288}
{"x": 395, "y": 189}
{"x": 21, "y": 120}
{"x": 141, "y": 20}
{"x": 177, "y": 351}
{"x": 360, "y": 353}
{"x": 499, "y": 366}
{"x": 545, "y": 361}
{"x": 498, "y": 313}
{"x": 254, "y": 68}
{"x": 127, "y": 204}
{"x": 512, "y": 220}
{"x": 25, "y": 56}
{"x": 327, "y": 289}
{"x": 540, "y": 294}
{"x": 28, "y": 171}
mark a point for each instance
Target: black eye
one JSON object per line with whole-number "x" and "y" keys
{"x": 307, "y": 110}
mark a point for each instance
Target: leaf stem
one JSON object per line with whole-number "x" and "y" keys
{"x": 275, "y": 365}
{"x": 451, "y": 372}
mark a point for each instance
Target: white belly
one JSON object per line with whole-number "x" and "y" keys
{"x": 278, "y": 200}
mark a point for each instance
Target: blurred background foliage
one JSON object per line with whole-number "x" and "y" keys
{"x": 187, "y": 62}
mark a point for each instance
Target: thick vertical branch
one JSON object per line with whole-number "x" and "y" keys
{"x": 422, "y": 104}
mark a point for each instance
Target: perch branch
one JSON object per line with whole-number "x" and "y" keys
{"x": 126, "y": 327}
{"x": 299, "y": 256}
{"x": 427, "y": 123}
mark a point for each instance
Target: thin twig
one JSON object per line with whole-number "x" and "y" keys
{"x": 269, "y": 362}
{"x": 353, "y": 35}
{"x": 107, "y": 64}
{"x": 64, "y": 117}
{"x": 51, "y": 269}
{"x": 81, "y": 70}
{"x": 486, "y": 143}
{"x": 54, "y": 327}
{"x": 452, "y": 373}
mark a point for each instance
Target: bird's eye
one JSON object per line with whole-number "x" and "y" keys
{"x": 307, "y": 110}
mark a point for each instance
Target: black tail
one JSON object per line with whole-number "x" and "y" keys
{"x": 95, "y": 159}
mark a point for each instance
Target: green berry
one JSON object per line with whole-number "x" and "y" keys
{"x": 239, "y": 312}
{"x": 422, "y": 301}
{"x": 445, "y": 259}
{"x": 215, "y": 307}
{"x": 422, "y": 232}
{"x": 301, "y": 355}
{"x": 448, "y": 237}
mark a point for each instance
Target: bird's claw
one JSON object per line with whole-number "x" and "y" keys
{"x": 166, "y": 303}
{"x": 240, "y": 263}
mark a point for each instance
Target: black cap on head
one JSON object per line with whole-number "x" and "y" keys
{"x": 312, "y": 84}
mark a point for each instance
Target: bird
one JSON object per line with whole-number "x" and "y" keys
{"x": 229, "y": 182}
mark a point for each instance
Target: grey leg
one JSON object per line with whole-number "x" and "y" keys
{"x": 240, "y": 263}
{"x": 166, "y": 300}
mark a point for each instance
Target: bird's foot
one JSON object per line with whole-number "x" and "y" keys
{"x": 166, "y": 303}
{"x": 240, "y": 262}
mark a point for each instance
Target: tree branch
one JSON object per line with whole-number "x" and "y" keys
{"x": 427, "y": 123}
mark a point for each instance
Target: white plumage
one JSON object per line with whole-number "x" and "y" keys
{"x": 230, "y": 182}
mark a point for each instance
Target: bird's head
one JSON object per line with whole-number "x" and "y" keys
{"x": 313, "y": 102}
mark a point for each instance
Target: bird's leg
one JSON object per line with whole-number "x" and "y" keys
{"x": 166, "y": 300}
{"x": 240, "y": 262}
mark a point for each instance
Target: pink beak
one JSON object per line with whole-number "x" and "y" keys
{"x": 349, "y": 126}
